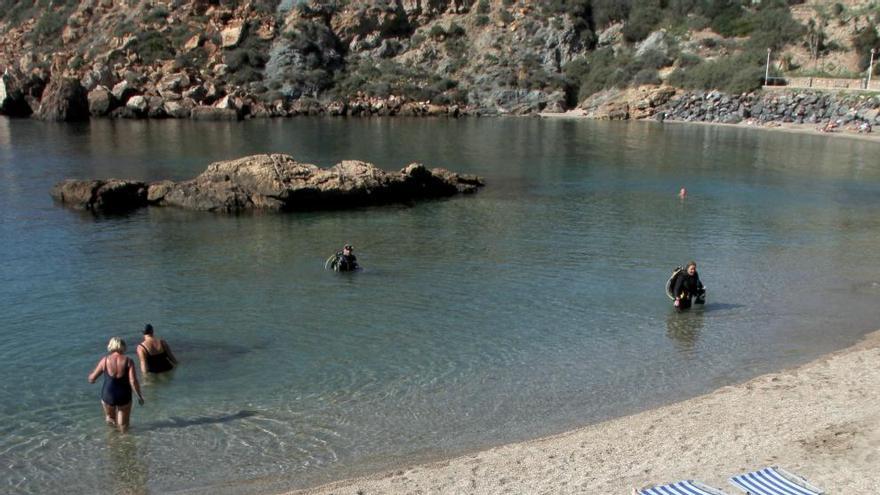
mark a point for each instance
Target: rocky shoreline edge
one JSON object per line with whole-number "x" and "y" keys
{"x": 269, "y": 182}
{"x": 769, "y": 107}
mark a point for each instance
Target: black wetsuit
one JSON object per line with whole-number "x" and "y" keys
{"x": 687, "y": 287}
{"x": 347, "y": 262}
{"x": 116, "y": 390}
{"x": 159, "y": 362}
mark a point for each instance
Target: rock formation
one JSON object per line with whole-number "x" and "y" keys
{"x": 270, "y": 182}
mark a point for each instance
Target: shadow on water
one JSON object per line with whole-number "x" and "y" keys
{"x": 712, "y": 307}
{"x": 175, "y": 422}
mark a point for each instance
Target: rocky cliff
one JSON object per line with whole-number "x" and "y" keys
{"x": 219, "y": 59}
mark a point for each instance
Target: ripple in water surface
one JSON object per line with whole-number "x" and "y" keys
{"x": 532, "y": 307}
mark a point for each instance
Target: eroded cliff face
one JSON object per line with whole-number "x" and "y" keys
{"x": 264, "y": 57}
{"x": 221, "y": 59}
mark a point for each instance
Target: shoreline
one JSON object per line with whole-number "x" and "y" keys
{"x": 791, "y": 128}
{"x": 818, "y": 420}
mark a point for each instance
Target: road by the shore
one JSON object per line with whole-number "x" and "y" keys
{"x": 820, "y": 420}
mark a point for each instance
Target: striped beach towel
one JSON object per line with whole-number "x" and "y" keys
{"x": 773, "y": 481}
{"x": 687, "y": 487}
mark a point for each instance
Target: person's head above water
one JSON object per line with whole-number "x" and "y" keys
{"x": 691, "y": 267}
{"x": 148, "y": 329}
{"x": 347, "y": 249}
{"x": 682, "y": 193}
{"x": 116, "y": 344}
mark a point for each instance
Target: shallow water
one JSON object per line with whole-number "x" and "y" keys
{"x": 532, "y": 307}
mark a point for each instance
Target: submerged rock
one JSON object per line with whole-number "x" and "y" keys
{"x": 271, "y": 182}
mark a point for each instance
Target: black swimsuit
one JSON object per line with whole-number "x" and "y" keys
{"x": 116, "y": 391}
{"x": 157, "y": 363}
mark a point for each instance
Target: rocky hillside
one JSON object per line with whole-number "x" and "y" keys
{"x": 221, "y": 59}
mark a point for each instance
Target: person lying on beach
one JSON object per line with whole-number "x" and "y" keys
{"x": 687, "y": 286}
{"x": 120, "y": 378}
{"x": 154, "y": 353}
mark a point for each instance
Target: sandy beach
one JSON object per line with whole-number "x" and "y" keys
{"x": 820, "y": 420}
{"x": 845, "y": 132}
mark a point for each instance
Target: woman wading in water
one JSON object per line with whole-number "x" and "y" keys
{"x": 120, "y": 378}
{"x": 155, "y": 354}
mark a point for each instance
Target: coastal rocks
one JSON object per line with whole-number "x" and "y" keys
{"x": 203, "y": 112}
{"x": 12, "y": 99}
{"x": 108, "y": 196}
{"x": 623, "y": 104}
{"x": 797, "y": 106}
{"x": 101, "y": 101}
{"x": 64, "y": 100}
{"x": 274, "y": 182}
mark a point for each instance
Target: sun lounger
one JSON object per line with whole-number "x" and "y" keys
{"x": 687, "y": 487}
{"x": 773, "y": 481}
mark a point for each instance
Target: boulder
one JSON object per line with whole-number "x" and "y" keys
{"x": 655, "y": 42}
{"x": 203, "y": 112}
{"x": 137, "y": 104}
{"x": 174, "y": 83}
{"x": 123, "y": 91}
{"x": 156, "y": 107}
{"x": 196, "y": 93}
{"x": 109, "y": 196}
{"x": 101, "y": 101}
{"x": 231, "y": 36}
{"x": 64, "y": 100}
{"x": 176, "y": 110}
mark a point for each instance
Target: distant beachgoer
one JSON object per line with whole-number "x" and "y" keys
{"x": 120, "y": 378}
{"x": 683, "y": 193}
{"x": 687, "y": 286}
{"x": 829, "y": 127}
{"x": 154, "y": 353}
{"x": 865, "y": 127}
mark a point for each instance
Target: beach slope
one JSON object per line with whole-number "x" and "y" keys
{"x": 820, "y": 420}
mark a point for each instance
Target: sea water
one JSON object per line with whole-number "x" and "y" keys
{"x": 533, "y": 306}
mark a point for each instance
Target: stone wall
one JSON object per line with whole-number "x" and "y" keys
{"x": 790, "y": 106}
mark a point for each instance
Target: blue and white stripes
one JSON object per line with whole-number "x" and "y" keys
{"x": 769, "y": 481}
{"x": 687, "y": 487}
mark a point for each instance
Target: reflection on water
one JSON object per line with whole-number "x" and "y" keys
{"x": 530, "y": 307}
{"x": 684, "y": 328}
{"x": 128, "y": 468}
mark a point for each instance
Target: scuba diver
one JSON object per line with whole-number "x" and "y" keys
{"x": 343, "y": 261}
{"x": 685, "y": 287}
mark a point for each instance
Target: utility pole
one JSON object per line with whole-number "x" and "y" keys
{"x": 870, "y": 68}
{"x": 767, "y": 70}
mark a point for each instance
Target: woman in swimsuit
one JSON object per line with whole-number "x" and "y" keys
{"x": 120, "y": 378}
{"x": 155, "y": 354}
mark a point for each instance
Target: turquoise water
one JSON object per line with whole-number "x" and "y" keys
{"x": 534, "y": 306}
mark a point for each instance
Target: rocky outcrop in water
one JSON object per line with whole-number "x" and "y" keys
{"x": 270, "y": 182}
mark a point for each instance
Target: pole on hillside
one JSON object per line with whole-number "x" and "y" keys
{"x": 767, "y": 70}
{"x": 870, "y": 68}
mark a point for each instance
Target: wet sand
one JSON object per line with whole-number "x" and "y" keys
{"x": 820, "y": 420}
